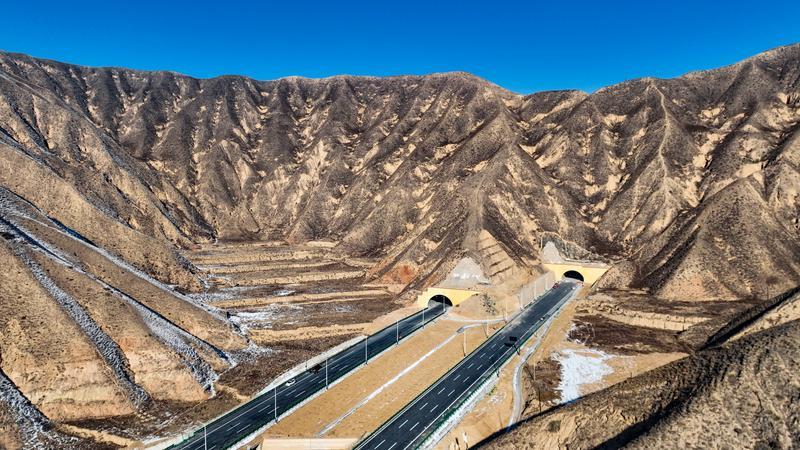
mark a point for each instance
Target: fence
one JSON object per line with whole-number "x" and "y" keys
{"x": 482, "y": 385}
{"x": 536, "y": 288}
{"x": 451, "y": 415}
{"x": 287, "y": 408}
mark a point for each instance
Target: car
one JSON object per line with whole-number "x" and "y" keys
{"x": 291, "y": 382}
{"x": 316, "y": 368}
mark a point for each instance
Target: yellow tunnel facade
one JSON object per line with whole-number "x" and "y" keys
{"x": 590, "y": 274}
{"x": 456, "y": 296}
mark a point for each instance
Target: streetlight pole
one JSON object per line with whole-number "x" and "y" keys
{"x": 205, "y": 440}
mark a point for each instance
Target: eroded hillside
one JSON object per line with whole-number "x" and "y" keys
{"x": 737, "y": 391}
{"x": 668, "y": 174}
{"x": 110, "y": 177}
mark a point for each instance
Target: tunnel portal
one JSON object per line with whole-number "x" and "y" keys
{"x": 439, "y": 298}
{"x": 574, "y": 274}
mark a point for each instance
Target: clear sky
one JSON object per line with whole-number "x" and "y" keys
{"x": 522, "y": 46}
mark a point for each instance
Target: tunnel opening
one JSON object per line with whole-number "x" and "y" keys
{"x": 439, "y": 298}
{"x": 574, "y": 274}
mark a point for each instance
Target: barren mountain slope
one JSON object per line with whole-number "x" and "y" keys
{"x": 741, "y": 394}
{"x": 690, "y": 186}
{"x": 75, "y": 345}
{"x": 414, "y": 167}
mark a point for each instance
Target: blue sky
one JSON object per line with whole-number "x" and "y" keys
{"x": 522, "y": 46}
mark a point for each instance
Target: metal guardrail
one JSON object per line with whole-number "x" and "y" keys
{"x": 475, "y": 387}
{"x": 483, "y": 380}
{"x": 295, "y": 404}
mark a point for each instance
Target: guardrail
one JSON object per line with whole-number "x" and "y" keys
{"x": 472, "y": 392}
{"x": 480, "y": 386}
{"x": 291, "y": 407}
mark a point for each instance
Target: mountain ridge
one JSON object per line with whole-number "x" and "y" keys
{"x": 690, "y": 186}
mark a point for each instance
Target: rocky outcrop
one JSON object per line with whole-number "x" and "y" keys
{"x": 689, "y": 185}
{"x": 693, "y": 179}
{"x": 740, "y": 394}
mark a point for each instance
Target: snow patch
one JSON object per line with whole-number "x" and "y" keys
{"x": 35, "y": 428}
{"x": 466, "y": 273}
{"x": 106, "y": 347}
{"x": 181, "y": 342}
{"x": 265, "y": 317}
{"x": 580, "y": 367}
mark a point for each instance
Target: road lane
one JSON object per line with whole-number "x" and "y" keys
{"x": 249, "y": 417}
{"x": 464, "y": 378}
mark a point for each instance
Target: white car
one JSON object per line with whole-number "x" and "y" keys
{"x": 290, "y": 382}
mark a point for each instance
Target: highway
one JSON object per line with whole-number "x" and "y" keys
{"x": 410, "y": 427}
{"x": 249, "y": 417}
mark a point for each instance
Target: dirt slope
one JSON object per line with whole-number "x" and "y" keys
{"x": 109, "y": 176}
{"x": 670, "y": 174}
{"x": 740, "y": 394}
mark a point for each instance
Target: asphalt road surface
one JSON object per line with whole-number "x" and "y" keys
{"x": 246, "y": 419}
{"x": 417, "y": 421}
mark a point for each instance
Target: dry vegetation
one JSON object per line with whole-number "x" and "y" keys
{"x": 739, "y": 393}
{"x": 164, "y": 237}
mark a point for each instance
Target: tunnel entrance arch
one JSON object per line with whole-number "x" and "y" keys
{"x": 439, "y": 298}
{"x": 574, "y": 274}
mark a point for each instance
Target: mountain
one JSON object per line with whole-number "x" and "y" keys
{"x": 739, "y": 391}
{"x": 688, "y": 186}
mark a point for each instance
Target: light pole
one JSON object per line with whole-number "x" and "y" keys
{"x": 205, "y": 440}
